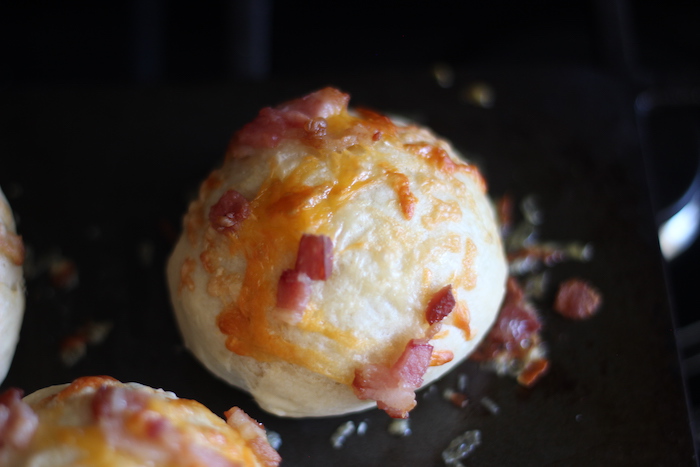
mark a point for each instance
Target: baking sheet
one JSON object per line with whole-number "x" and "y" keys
{"x": 100, "y": 178}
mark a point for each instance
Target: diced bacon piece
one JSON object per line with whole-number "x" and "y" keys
{"x": 113, "y": 401}
{"x": 289, "y": 120}
{"x": 128, "y": 424}
{"x": 504, "y": 210}
{"x": 228, "y": 213}
{"x": 18, "y": 422}
{"x": 413, "y": 362}
{"x": 394, "y": 387}
{"x": 441, "y": 305}
{"x": 293, "y": 291}
{"x": 265, "y": 131}
{"x": 577, "y": 299}
{"x": 254, "y": 434}
{"x": 323, "y": 103}
{"x": 380, "y": 383}
{"x": 11, "y": 245}
{"x": 516, "y": 325}
{"x": 547, "y": 254}
{"x": 315, "y": 256}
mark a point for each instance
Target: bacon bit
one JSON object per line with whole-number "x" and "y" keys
{"x": 314, "y": 262}
{"x": 533, "y": 372}
{"x": 323, "y": 103}
{"x": 293, "y": 292}
{"x": 377, "y": 382}
{"x": 414, "y": 362}
{"x": 547, "y": 254}
{"x": 113, "y": 401}
{"x": 228, "y": 213}
{"x": 440, "y": 357}
{"x": 504, "y": 210}
{"x": 441, "y": 305}
{"x": 577, "y": 299}
{"x": 80, "y": 384}
{"x": 315, "y": 256}
{"x": 526, "y": 259}
{"x": 289, "y": 120}
{"x": 18, "y": 422}
{"x": 513, "y": 322}
{"x": 306, "y": 120}
{"x": 123, "y": 416}
{"x": 254, "y": 434}
{"x": 459, "y": 399}
{"x": 515, "y": 327}
{"x": 11, "y": 246}
{"x": 394, "y": 387}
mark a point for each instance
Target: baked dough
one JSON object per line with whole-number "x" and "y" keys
{"x": 11, "y": 286}
{"x": 100, "y": 422}
{"x": 403, "y": 216}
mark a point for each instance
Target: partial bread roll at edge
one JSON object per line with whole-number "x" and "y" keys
{"x": 97, "y": 421}
{"x": 11, "y": 286}
{"x": 336, "y": 261}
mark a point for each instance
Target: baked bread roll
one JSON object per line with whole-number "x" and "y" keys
{"x": 11, "y": 286}
{"x": 98, "y": 421}
{"x": 337, "y": 260}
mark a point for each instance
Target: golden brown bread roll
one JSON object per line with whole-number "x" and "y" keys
{"x": 11, "y": 286}
{"x": 100, "y": 422}
{"x": 336, "y": 260}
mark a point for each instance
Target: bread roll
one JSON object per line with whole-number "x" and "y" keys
{"x": 337, "y": 260}
{"x": 11, "y": 286}
{"x": 100, "y": 422}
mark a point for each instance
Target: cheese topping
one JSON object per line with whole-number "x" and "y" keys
{"x": 98, "y": 421}
{"x": 319, "y": 174}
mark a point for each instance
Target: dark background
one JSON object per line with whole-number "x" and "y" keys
{"x": 650, "y": 47}
{"x": 159, "y": 41}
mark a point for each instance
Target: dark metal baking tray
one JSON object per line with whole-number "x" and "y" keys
{"x": 101, "y": 177}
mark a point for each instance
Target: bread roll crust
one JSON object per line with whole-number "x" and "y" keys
{"x": 406, "y": 216}
{"x": 11, "y": 286}
{"x": 79, "y": 424}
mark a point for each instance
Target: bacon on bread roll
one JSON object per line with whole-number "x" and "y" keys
{"x": 11, "y": 286}
{"x": 337, "y": 260}
{"x": 100, "y": 422}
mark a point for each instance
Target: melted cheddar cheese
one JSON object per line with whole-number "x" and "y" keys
{"x": 68, "y": 432}
{"x": 309, "y": 185}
